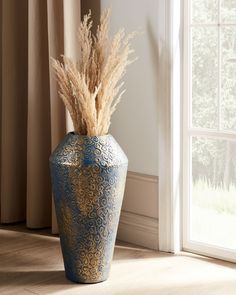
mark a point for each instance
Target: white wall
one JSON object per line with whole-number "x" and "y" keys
{"x": 141, "y": 123}
{"x": 135, "y": 122}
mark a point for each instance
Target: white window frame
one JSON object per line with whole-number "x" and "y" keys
{"x": 188, "y": 245}
{"x": 170, "y": 129}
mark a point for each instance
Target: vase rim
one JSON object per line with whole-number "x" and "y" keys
{"x": 89, "y": 136}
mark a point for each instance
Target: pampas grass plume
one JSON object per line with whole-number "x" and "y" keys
{"x": 92, "y": 87}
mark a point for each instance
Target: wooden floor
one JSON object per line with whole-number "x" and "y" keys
{"x": 31, "y": 263}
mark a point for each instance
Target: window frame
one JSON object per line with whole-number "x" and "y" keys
{"x": 170, "y": 133}
{"x": 187, "y": 132}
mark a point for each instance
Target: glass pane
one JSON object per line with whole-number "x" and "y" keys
{"x": 213, "y": 208}
{"x": 204, "y": 77}
{"x": 228, "y": 11}
{"x": 204, "y": 11}
{"x": 228, "y": 77}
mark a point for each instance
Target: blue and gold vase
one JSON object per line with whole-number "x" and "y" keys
{"x": 88, "y": 178}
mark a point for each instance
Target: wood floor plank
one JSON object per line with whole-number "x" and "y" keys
{"x": 31, "y": 263}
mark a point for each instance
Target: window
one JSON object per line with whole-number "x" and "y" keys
{"x": 209, "y": 127}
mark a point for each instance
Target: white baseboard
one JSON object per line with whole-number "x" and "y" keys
{"x": 141, "y": 194}
{"x": 138, "y": 229}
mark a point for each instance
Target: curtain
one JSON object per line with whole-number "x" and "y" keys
{"x": 33, "y": 118}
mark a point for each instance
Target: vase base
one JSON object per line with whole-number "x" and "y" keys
{"x": 81, "y": 281}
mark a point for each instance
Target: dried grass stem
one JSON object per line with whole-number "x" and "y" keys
{"x": 91, "y": 88}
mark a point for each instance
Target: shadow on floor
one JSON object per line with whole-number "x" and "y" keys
{"x": 20, "y": 238}
{"x": 38, "y": 282}
{"x": 21, "y": 227}
{"x": 32, "y": 277}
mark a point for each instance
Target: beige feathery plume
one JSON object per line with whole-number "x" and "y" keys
{"x": 92, "y": 87}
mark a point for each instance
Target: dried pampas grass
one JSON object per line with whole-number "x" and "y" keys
{"x": 92, "y": 88}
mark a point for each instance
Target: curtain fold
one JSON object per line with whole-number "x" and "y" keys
{"x": 14, "y": 110}
{"x": 39, "y": 131}
{"x": 33, "y": 118}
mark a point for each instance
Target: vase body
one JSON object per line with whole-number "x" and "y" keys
{"x": 88, "y": 179}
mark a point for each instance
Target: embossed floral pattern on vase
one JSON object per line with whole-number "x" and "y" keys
{"x": 88, "y": 177}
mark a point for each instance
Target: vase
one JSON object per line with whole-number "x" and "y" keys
{"x": 88, "y": 179}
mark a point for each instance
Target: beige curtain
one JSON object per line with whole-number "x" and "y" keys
{"x": 33, "y": 119}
